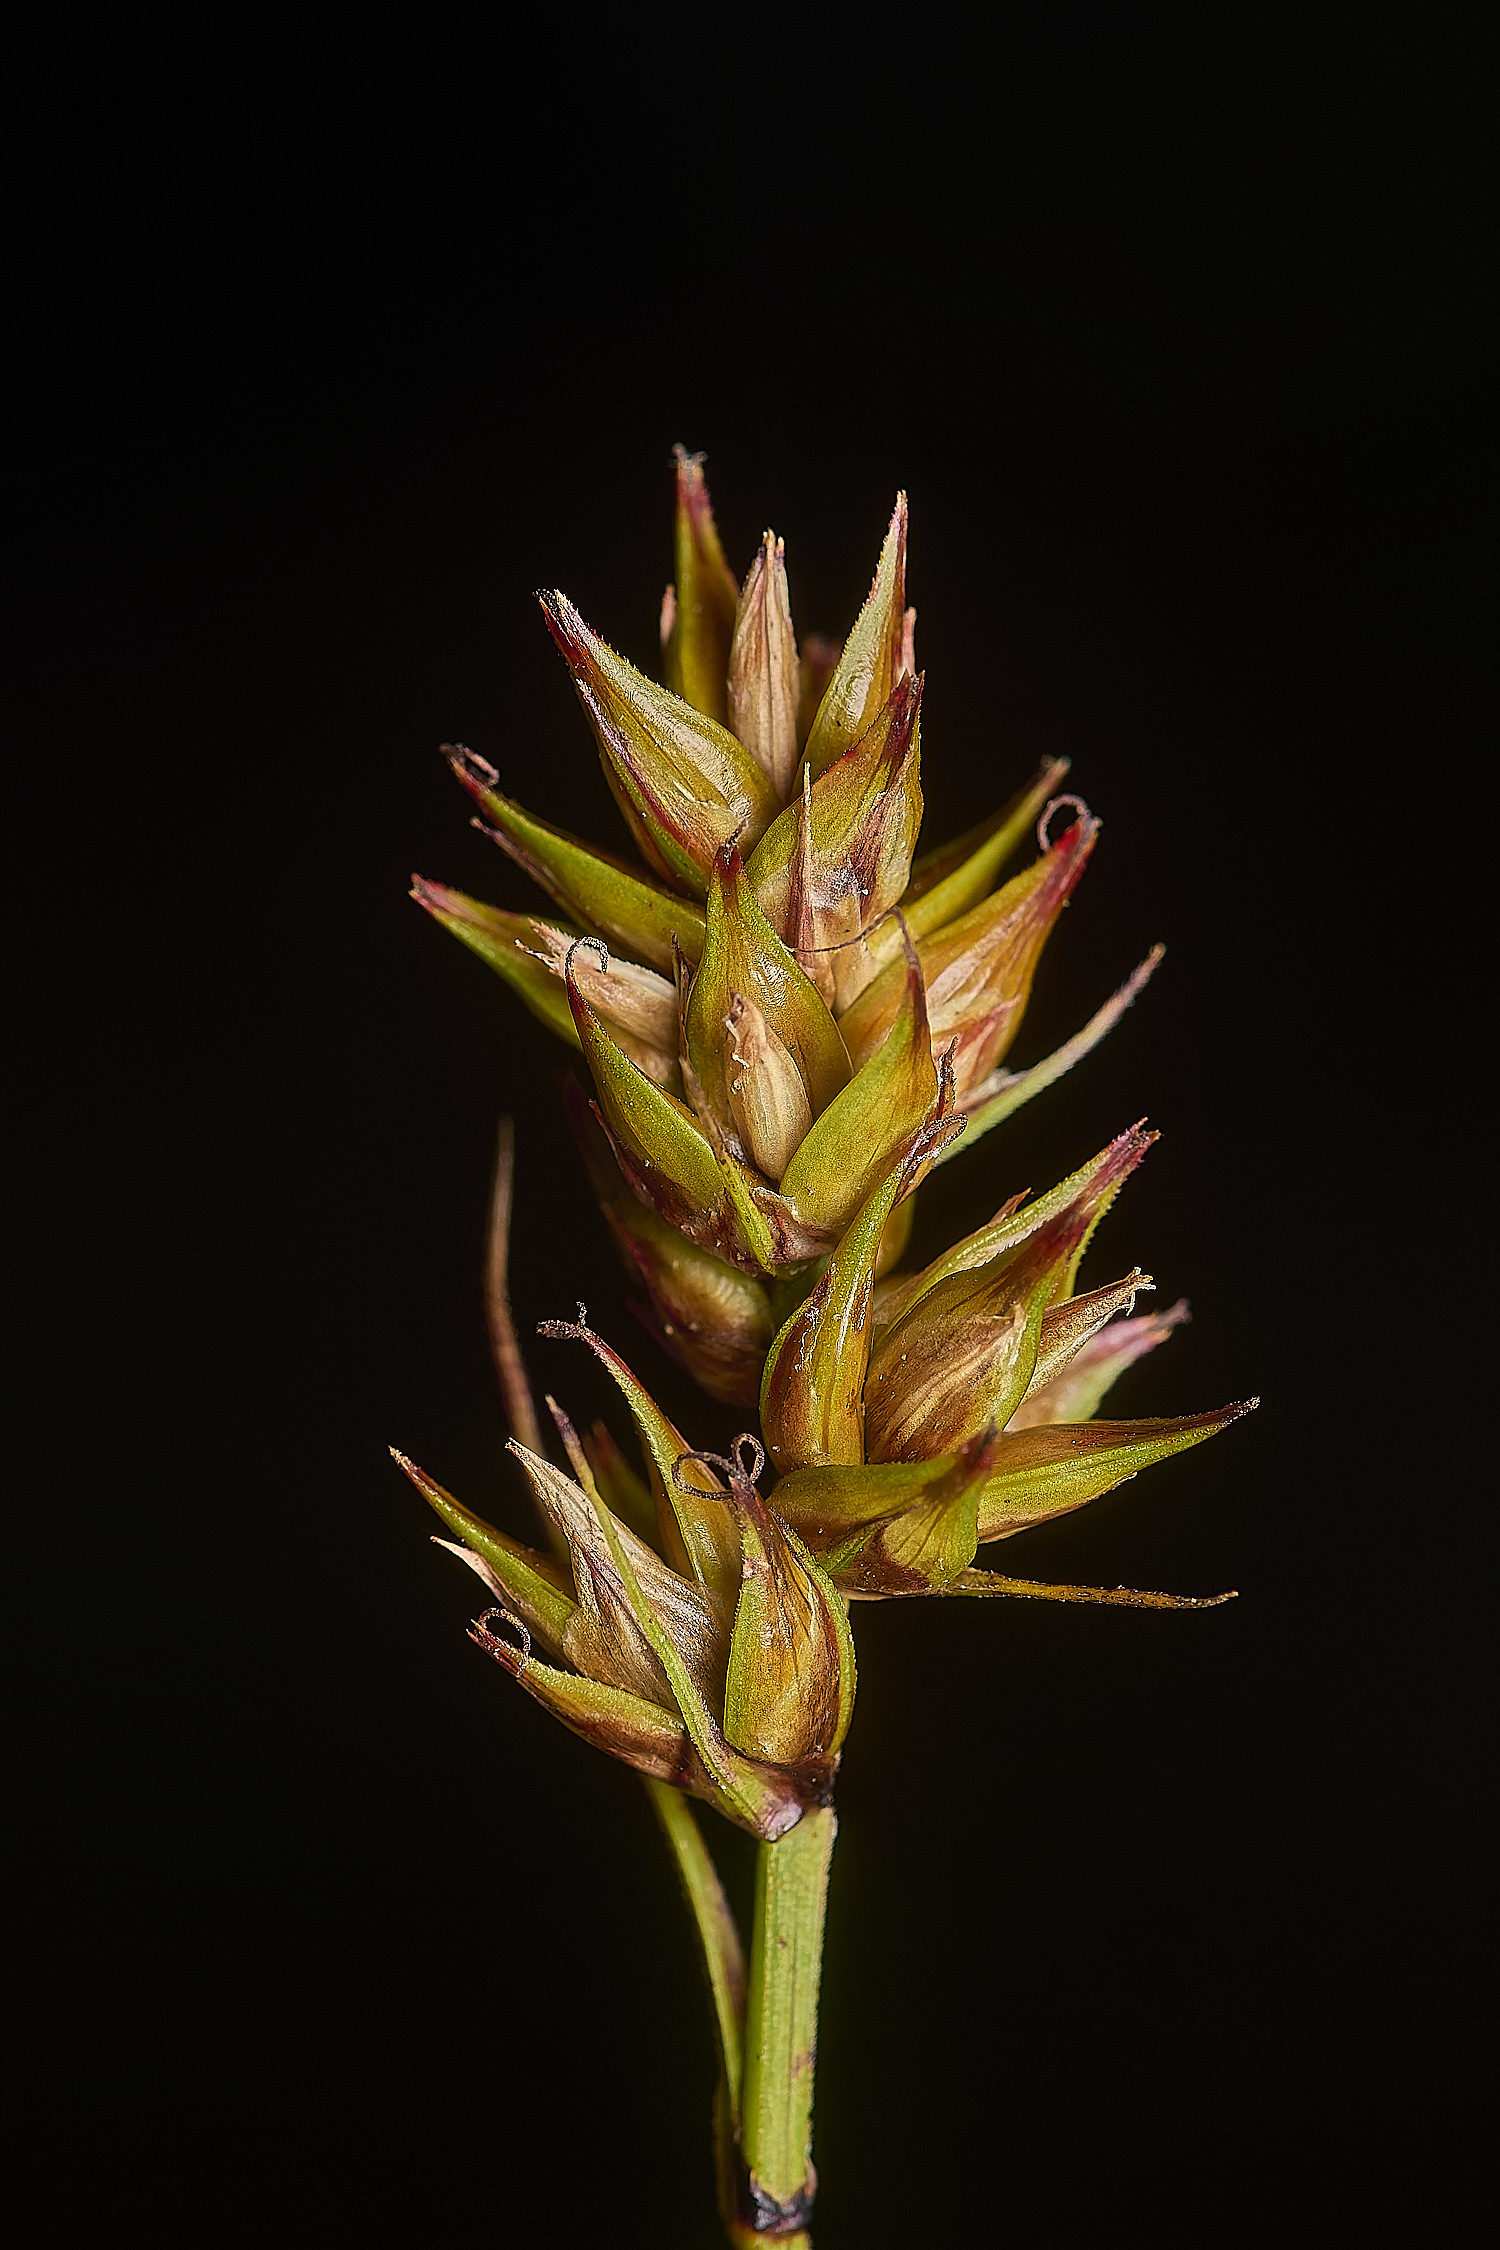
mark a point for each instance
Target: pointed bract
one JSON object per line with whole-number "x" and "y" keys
{"x": 713, "y": 1319}
{"x": 1002, "y": 1093}
{"x": 1070, "y": 1322}
{"x": 1093, "y": 1186}
{"x": 890, "y": 1528}
{"x": 661, "y": 1148}
{"x": 945, "y": 884}
{"x": 639, "y": 1732}
{"x": 1078, "y": 1391}
{"x": 624, "y": 1492}
{"x": 851, "y": 1146}
{"x": 989, "y": 1583}
{"x": 529, "y": 1583}
{"x": 697, "y": 627}
{"x": 696, "y": 1526}
{"x": 603, "y": 892}
{"x": 960, "y": 1360}
{"x": 683, "y": 782}
{"x": 975, "y": 856}
{"x": 789, "y": 1692}
{"x": 764, "y": 675}
{"x": 1042, "y": 1473}
{"x": 869, "y": 663}
{"x": 926, "y": 1547}
{"x": 639, "y": 1006}
{"x": 838, "y": 859}
{"x": 605, "y": 1637}
{"x": 978, "y": 971}
{"x": 765, "y": 1053}
{"x": 812, "y": 1392}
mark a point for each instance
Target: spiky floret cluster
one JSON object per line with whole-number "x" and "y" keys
{"x": 790, "y": 1017}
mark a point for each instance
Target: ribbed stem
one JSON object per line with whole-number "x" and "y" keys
{"x": 781, "y": 2029}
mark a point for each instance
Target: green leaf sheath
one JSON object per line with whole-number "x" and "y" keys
{"x": 781, "y": 2016}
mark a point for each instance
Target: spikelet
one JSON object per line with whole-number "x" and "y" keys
{"x": 788, "y": 1016}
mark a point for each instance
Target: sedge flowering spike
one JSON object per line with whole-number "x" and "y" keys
{"x": 835, "y": 990}
{"x": 744, "y": 1704}
{"x": 902, "y": 1424}
{"x": 840, "y": 1011}
{"x": 789, "y": 1006}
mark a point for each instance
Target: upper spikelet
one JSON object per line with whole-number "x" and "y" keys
{"x": 789, "y": 1015}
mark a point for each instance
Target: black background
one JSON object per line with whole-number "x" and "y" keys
{"x": 341, "y": 354}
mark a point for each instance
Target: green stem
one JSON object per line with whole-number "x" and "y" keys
{"x": 781, "y": 2028}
